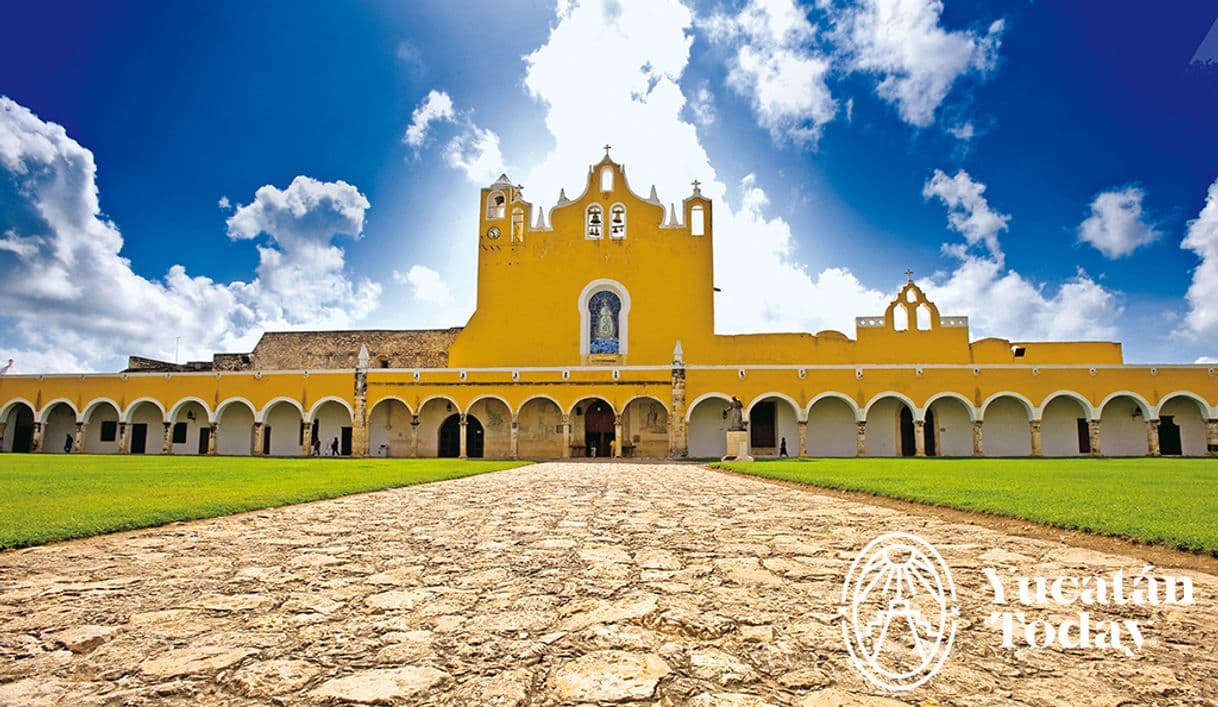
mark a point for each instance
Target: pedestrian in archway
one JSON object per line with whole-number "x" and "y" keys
{"x": 782, "y": 448}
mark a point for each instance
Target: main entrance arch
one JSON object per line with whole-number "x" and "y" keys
{"x": 593, "y": 425}
{"x": 449, "y": 443}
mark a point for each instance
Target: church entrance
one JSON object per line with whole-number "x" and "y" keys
{"x": 1169, "y": 437}
{"x": 450, "y": 437}
{"x": 908, "y": 444}
{"x": 598, "y": 429}
{"x": 21, "y": 422}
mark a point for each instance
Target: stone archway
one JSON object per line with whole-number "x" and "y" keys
{"x": 593, "y": 428}
{"x": 832, "y": 428}
{"x": 707, "y": 428}
{"x": 389, "y": 429}
{"x": 539, "y": 429}
{"x": 645, "y": 428}
{"x": 19, "y": 429}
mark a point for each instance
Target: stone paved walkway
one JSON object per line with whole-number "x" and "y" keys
{"x": 550, "y": 584}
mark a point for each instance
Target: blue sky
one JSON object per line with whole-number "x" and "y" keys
{"x": 1074, "y": 150}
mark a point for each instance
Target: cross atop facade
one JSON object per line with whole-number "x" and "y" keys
{"x": 908, "y": 275}
{"x": 697, "y": 186}
{"x": 607, "y": 149}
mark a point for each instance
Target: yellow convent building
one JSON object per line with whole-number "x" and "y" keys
{"x": 616, "y": 354}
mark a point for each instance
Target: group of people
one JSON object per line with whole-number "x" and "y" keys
{"x": 331, "y": 450}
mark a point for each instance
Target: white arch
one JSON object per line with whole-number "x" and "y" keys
{"x": 1027, "y": 404}
{"x": 329, "y": 398}
{"x": 835, "y": 395}
{"x": 386, "y": 399}
{"x": 173, "y": 412}
{"x": 229, "y": 401}
{"x": 8, "y": 408}
{"x": 540, "y": 396}
{"x": 644, "y": 396}
{"x": 1088, "y": 409}
{"x": 799, "y": 411}
{"x": 689, "y": 409}
{"x": 623, "y": 318}
{"x": 136, "y": 403}
{"x": 913, "y": 409}
{"x": 1206, "y": 408}
{"x": 261, "y": 416}
{"x": 445, "y": 398}
{"x": 490, "y": 396}
{"x": 616, "y": 412}
{"x": 92, "y": 408}
{"x": 46, "y": 409}
{"x": 951, "y": 395}
{"x": 1146, "y": 407}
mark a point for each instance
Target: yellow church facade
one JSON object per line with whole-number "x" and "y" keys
{"x": 594, "y": 336}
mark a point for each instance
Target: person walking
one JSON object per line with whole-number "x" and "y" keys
{"x": 782, "y": 448}
{"x": 316, "y": 446}
{"x": 334, "y": 447}
{"x": 67, "y": 445}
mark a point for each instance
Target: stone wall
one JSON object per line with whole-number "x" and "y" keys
{"x": 317, "y": 350}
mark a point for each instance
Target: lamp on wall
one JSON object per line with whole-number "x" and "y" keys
{"x": 1137, "y": 413}
{"x": 579, "y": 410}
{"x": 190, "y": 415}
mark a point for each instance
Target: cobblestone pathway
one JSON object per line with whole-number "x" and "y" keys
{"x": 550, "y": 584}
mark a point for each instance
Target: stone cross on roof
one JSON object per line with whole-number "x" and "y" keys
{"x": 697, "y": 187}
{"x": 908, "y": 275}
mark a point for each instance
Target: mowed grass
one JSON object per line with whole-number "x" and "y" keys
{"x": 1171, "y": 502}
{"x": 48, "y": 497}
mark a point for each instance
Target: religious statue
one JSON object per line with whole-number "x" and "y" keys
{"x": 606, "y": 328}
{"x": 736, "y": 423}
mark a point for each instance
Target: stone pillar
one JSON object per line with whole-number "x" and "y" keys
{"x": 167, "y": 440}
{"x": 1093, "y": 434}
{"x": 1037, "y": 445}
{"x": 803, "y": 438}
{"x": 212, "y": 439}
{"x": 919, "y": 438}
{"x": 1211, "y": 438}
{"x": 860, "y": 438}
{"x": 306, "y": 447}
{"x": 978, "y": 438}
{"x": 258, "y": 450}
{"x": 464, "y": 426}
{"x": 1152, "y": 438}
{"x": 414, "y": 436}
{"x": 3, "y": 430}
{"x": 617, "y": 436}
{"x": 359, "y": 415}
{"x": 123, "y": 444}
{"x": 514, "y": 451}
{"x": 36, "y": 442}
{"x": 678, "y": 431}
{"x": 78, "y": 443}
{"x": 566, "y": 436}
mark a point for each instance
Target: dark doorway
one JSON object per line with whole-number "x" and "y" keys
{"x": 344, "y": 441}
{"x": 204, "y": 438}
{"x": 762, "y": 424}
{"x": 1169, "y": 437}
{"x": 908, "y": 444}
{"x": 266, "y": 440}
{"x": 1084, "y": 436}
{"x": 598, "y": 429}
{"x": 450, "y": 437}
{"x": 929, "y": 430}
{"x": 23, "y": 430}
{"x": 139, "y": 437}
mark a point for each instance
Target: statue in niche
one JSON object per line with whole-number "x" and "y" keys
{"x": 736, "y": 415}
{"x": 604, "y": 308}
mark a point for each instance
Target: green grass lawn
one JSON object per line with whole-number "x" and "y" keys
{"x": 48, "y": 497}
{"x": 1171, "y": 502}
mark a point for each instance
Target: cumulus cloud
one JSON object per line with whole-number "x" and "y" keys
{"x": 917, "y": 59}
{"x": 472, "y": 149}
{"x": 702, "y": 105}
{"x": 73, "y": 302}
{"x": 999, "y": 301}
{"x": 426, "y": 285}
{"x": 1201, "y": 322}
{"x": 1117, "y": 225}
{"x": 775, "y": 68}
{"x": 968, "y": 211}
{"x": 224, "y": 203}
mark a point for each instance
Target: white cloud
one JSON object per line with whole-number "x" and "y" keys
{"x": 902, "y": 41}
{"x": 1002, "y": 302}
{"x": 1117, "y": 225}
{"x": 426, "y": 285}
{"x": 964, "y": 131}
{"x": 1201, "y": 322}
{"x": 473, "y": 150}
{"x": 437, "y": 106}
{"x": 702, "y": 105}
{"x": 74, "y": 302}
{"x": 224, "y": 203}
{"x": 968, "y": 211}
{"x": 775, "y": 69}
